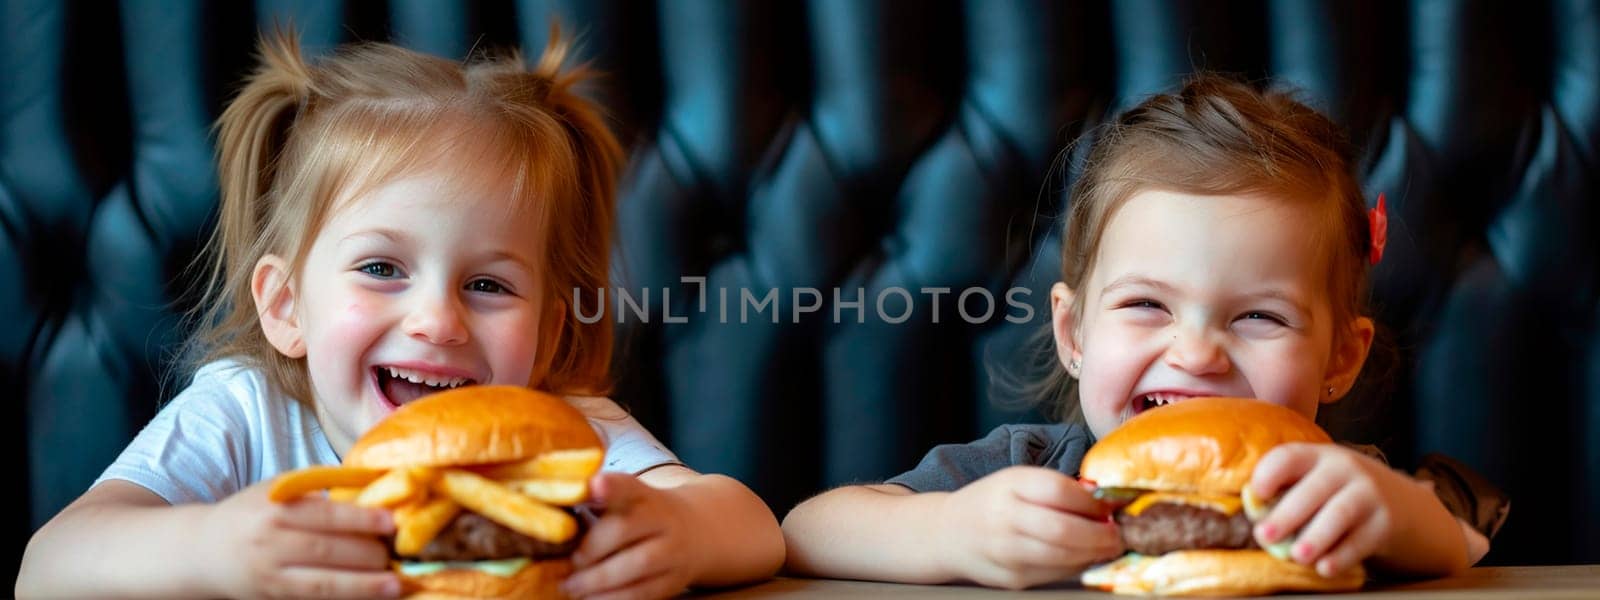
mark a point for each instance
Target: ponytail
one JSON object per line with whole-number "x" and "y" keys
{"x": 579, "y": 353}
{"x": 251, "y": 135}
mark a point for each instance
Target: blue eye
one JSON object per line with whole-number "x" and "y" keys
{"x": 487, "y": 286}
{"x": 379, "y": 269}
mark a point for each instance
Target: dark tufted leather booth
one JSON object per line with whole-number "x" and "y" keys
{"x": 856, "y": 144}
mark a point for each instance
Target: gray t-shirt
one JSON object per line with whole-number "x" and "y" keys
{"x": 949, "y": 467}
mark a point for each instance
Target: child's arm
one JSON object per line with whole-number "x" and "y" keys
{"x": 1348, "y": 508}
{"x": 1015, "y": 528}
{"x": 877, "y": 532}
{"x": 106, "y": 542}
{"x": 672, "y": 527}
{"x": 121, "y": 540}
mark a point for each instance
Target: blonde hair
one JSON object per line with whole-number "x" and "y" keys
{"x": 1220, "y": 136}
{"x": 299, "y": 137}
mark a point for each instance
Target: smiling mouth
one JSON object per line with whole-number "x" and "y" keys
{"x": 403, "y": 386}
{"x": 1157, "y": 399}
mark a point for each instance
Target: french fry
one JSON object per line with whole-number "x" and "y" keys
{"x": 344, "y": 494}
{"x": 560, "y": 492}
{"x": 300, "y": 482}
{"x": 417, "y": 523}
{"x": 501, "y": 505}
{"x": 424, "y": 476}
{"x": 557, "y": 464}
{"x": 392, "y": 488}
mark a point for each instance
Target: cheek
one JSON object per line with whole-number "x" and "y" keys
{"x": 1103, "y": 398}
{"x": 513, "y": 345}
{"x": 1113, "y": 364}
{"x": 1280, "y": 379}
{"x": 350, "y": 320}
{"x": 1115, "y": 356}
{"x": 360, "y": 309}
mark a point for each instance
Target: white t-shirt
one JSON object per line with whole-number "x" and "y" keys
{"x": 228, "y": 430}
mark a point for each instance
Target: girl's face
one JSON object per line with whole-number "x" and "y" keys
{"x": 415, "y": 287}
{"x": 1205, "y": 296}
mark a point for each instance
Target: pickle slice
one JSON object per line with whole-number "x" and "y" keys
{"x": 1256, "y": 509}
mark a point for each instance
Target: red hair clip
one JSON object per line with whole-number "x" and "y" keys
{"x": 1378, "y": 221}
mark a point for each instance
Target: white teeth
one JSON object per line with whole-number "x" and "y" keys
{"x": 418, "y": 377}
{"x": 1159, "y": 399}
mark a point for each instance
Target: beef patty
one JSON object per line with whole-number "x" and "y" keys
{"x": 471, "y": 536}
{"x": 1164, "y": 527}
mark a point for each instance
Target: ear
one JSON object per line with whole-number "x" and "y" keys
{"x": 1348, "y": 357}
{"x": 1064, "y": 327}
{"x": 271, "y": 287}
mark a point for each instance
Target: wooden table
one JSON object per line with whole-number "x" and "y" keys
{"x": 1577, "y": 581}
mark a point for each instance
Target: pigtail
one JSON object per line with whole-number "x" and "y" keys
{"x": 250, "y": 136}
{"x": 581, "y": 246}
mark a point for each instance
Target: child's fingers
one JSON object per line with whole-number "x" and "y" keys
{"x": 1024, "y": 553}
{"x": 310, "y": 549}
{"x": 1282, "y": 467}
{"x": 616, "y": 491}
{"x": 1340, "y": 515}
{"x": 319, "y": 514}
{"x": 1054, "y": 490}
{"x": 1297, "y": 506}
{"x": 661, "y": 585}
{"x": 1018, "y": 552}
{"x": 1066, "y": 530}
{"x": 1026, "y": 563}
{"x": 637, "y": 563}
{"x": 1356, "y": 547}
{"x": 301, "y": 582}
{"x": 613, "y": 533}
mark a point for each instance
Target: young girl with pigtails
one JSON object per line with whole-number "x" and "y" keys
{"x": 392, "y": 224}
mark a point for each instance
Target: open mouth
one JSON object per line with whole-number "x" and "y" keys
{"x": 401, "y": 386}
{"x": 1155, "y": 399}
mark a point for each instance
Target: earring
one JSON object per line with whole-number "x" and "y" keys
{"x": 1072, "y": 367}
{"x": 1330, "y": 392}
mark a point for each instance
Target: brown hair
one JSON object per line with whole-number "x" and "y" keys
{"x": 1220, "y": 136}
{"x": 300, "y": 137}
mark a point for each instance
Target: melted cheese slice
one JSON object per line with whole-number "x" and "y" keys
{"x": 1228, "y": 505}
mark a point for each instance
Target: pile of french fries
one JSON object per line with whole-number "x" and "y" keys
{"x": 521, "y": 496}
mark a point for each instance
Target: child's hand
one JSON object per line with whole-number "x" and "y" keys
{"x": 639, "y": 548}
{"x": 1346, "y": 506}
{"x": 1024, "y": 526}
{"x": 308, "y": 548}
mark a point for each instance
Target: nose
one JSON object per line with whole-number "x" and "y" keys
{"x": 1196, "y": 352}
{"x": 436, "y": 318}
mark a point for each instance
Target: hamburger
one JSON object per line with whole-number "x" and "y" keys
{"x": 481, "y": 481}
{"x": 1176, "y": 476}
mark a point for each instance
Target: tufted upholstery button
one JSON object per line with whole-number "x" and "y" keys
{"x": 889, "y": 150}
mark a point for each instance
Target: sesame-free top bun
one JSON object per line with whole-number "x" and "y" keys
{"x": 473, "y": 425}
{"x": 1200, "y": 445}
